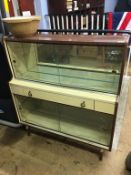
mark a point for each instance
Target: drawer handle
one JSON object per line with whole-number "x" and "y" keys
{"x": 14, "y": 61}
{"x": 83, "y": 104}
{"x": 29, "y": 94}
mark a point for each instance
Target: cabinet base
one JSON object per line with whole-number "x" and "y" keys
{"x": 91, "y": 148}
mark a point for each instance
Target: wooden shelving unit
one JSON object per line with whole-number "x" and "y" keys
{"x": 75, "y": 6}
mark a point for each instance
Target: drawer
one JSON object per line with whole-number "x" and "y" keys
{"x": 53, "y": 96}
{"x": 105, "y": 107}
{"x": 89, "y": 100}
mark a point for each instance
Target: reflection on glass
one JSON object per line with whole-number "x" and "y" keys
{"x": 78, "y": 66}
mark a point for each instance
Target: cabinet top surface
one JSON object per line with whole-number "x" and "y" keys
{"x": 74, "y": 39}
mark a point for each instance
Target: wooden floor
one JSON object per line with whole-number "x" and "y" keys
{"x": 40, "y": 155}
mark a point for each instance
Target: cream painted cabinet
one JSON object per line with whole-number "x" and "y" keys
{"x": 69, "y": 85}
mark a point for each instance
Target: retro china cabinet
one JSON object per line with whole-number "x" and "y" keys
{"x": 70, "y": 85}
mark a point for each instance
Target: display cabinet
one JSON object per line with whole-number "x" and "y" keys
{"x": 69, "y": 85}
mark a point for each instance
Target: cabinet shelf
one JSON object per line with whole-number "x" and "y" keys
{"x": 76, "y": 79}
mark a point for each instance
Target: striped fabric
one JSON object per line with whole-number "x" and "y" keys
{"x": 119, "y": 21}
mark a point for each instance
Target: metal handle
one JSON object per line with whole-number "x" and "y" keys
{"x": 29, "y": 94}
{"x": 83, "y": 104}
{"x": 14, "y": 61}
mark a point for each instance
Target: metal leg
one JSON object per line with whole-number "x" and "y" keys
{"x": 101, "y": 155}
{"x": 98, "y": 151}
{"x": 28, "y": 130}
{"x": 128, "y": 162}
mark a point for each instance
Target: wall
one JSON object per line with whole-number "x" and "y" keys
{"x": 110, "y": 5}
{"x": 41, "y": 8}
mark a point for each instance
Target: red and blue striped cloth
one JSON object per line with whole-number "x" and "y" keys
{"x": 119, "y": 21}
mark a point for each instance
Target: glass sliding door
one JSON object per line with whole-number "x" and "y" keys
{"x": 38, "y": 112}
{"x": 96, "y": 68}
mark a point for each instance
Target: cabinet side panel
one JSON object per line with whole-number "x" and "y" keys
{"x": 121, "y": 111}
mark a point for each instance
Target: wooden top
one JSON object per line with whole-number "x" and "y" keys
{"x": 74, "y": 39}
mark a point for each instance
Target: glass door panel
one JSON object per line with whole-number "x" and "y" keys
{"x": 86, "y": 67}
{"x": 86, "y": 124}
{"x": 92, "y": 67}
{"x": 25, "y": 60}
{"x": 38, "y": 112}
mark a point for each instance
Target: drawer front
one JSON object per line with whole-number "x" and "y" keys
{"x": 55, "y": 97}
{"x": 86, "y": 103}
{"x": 104, "y": 107}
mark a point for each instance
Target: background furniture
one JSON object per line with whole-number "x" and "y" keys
{"x": 7, "y": 111}
{"x": 80, "y": 6}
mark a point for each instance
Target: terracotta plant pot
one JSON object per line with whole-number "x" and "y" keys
{"x": 22, "y": 26}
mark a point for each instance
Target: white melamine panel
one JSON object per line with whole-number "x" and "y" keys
{"x": 77, "y": 98}
{"x": 104, "y": 107}
{"x": 52, "y": 96}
